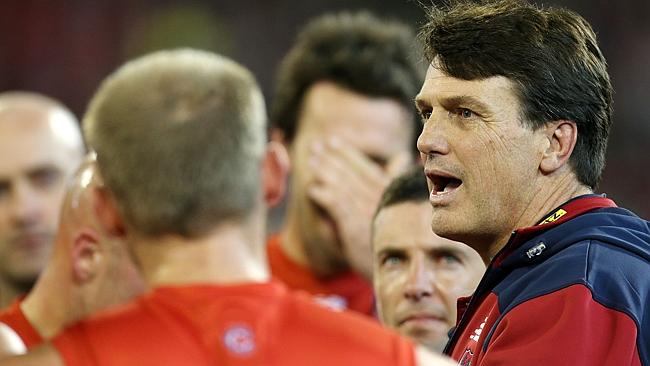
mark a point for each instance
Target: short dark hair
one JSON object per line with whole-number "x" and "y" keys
{"x": 357, "y": 51}
{"x": 551, "y": 55}
{"x": 408, "y": 187}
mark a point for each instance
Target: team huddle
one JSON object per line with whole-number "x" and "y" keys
{"x": 446, "y": 218}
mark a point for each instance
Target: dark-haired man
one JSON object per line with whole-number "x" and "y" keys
{"x": 417, "y": 275}
{"x": 517, "y": 108}
{"x": 343, "y": 106}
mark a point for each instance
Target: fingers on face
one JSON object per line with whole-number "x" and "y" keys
{"x": 334, "y": 162}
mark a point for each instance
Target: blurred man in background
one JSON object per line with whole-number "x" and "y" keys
{"x": 86, "y": 272}
{"x": 40, "y": 148}
{"x": 343, "y": 107}
{"x": 418, "y": 276}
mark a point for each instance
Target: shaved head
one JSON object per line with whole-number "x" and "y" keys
{"x": 40, "y": 148}
{"x": 18, "y": 107}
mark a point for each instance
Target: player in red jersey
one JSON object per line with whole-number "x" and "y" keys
{"x": 180, "y": 142}
{"x": 86, "y": 272}
{"x": 344, "y": 107}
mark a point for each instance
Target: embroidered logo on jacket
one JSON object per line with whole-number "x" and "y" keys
{"x": 536, "y": 250}
{"x": 554, "y": 216}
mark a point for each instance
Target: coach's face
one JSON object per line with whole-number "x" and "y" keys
{"x": 481, "y": 162}
{"x": 418, "y": 276}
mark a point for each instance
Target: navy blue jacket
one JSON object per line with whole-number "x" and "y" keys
{"x": 572, "y": 290}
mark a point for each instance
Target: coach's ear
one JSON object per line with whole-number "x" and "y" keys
{"x": 275, "y": 168}
{"x": 107, "y": 212}
{"x": 562, "y": 137}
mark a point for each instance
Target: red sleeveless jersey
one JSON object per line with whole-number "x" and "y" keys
{"x": 347, "y": 291}
{"x": 250, "y": 324}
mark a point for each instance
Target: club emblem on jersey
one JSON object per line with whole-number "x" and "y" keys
{"x": 240, "y": 340}
{"x": 332, "y": 302}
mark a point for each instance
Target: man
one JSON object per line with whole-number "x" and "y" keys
{"x": 87, "y": 272}
{"x": 418, "y": 276}
{"x": 189, "y": 199}
{"x": 343, "y": 107}
{"x": 517, "y": 107}
{"x": 40, "y": 148}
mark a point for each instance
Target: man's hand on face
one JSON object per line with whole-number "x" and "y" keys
{"x": 348, "y": 185}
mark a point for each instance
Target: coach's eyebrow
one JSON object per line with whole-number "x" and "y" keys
{"x": 465, "y": 101}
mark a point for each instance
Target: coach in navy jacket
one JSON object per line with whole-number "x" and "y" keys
{"x": 517, "y": 108}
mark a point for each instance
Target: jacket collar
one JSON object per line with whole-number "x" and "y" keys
{"x": 567, "y": 211}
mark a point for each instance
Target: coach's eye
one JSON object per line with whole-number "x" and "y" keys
{"x": 463, "y": 113}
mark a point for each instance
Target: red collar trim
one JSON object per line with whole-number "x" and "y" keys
{"x": 569, "y": 210}
{"x": 562, "y": 214}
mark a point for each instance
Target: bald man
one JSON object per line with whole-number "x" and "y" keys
{"x": 87, "y": 271}
{"x": 40, "y": 148}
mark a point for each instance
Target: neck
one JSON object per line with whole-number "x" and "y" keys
{"x": 292, "y": 244}
{"x": 53, "y": 303}
{"x": 545, "y": 199}
{"x": 232, "y": 253}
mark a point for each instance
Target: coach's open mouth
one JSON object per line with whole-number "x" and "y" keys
{"x": 442, "y": 182}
